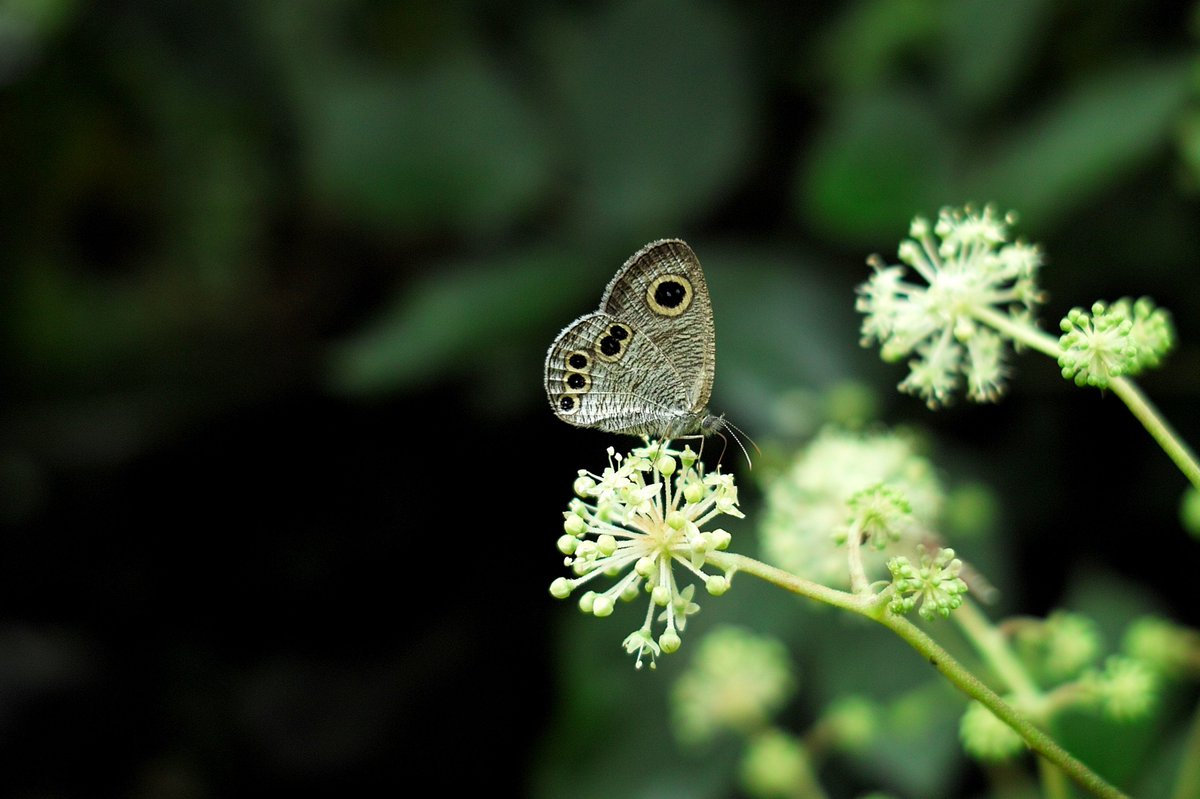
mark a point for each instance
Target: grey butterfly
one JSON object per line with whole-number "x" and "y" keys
{"x": 642, "y": 364}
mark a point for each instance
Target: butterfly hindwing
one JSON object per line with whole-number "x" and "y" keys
{"x": 661, "y": 291}
{"x": 593, "y": 378}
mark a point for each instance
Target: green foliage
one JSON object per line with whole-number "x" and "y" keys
{"x": 658, "y": 111}
{"x": 242, "y": 208}
{"x": 452, "y": 146}
{"x": 1052, "y": 164}
{"x": 891, "y": 145}
{"x": 448, "y": 320}
{"x": 856, "y": 183}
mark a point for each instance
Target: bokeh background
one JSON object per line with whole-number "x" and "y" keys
{"x": 278, "y": 484}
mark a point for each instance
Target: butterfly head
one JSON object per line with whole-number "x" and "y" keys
{"x": 719, "y": 425}
{"x": 689, "y": 424}
{"x": 711, "y": 425}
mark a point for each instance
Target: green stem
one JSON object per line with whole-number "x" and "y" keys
{"x": 1028, "y": 335}
{"x": 1156, "y": 426}
{"x": 786, "y": 580}
{"x": 951, "y": 669}
{"x": 1126, "y": 389}
{"x": 993, "y": 645}
{"x": 858, "y": 573}
{"x": 1054, "y": 782}
{"x": 970, "y": 685}
{"x": 1187, "y": 784}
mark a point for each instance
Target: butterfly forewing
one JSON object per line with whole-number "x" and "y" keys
{"x": 661, "y": 291}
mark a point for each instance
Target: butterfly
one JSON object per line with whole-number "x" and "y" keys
{"x": 642, "y": 364}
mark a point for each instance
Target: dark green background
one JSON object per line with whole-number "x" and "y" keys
{"x": 278, "y": 484}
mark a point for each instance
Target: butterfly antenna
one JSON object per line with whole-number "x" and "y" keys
{"x": 735, "y": 432}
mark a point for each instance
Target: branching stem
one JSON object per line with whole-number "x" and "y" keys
{"x": 939, "y": 658}
{"x": 1141, "y": 407}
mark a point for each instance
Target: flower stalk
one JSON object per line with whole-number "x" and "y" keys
{"x": 980, "y": 295}
{"x": 876, "y": 608}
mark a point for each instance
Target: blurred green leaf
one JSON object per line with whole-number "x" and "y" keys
{"x": 453, "y": 320}
{"x": 780, "y": 327}
{"x": 987, "y": 45}
{"x": 25, "y": 27}
{"x": 1118, "y": 749}
{"x": 67, "y": 324}
{"x": 1189, "y": 122}
{"x": 877, "y": 160}
{"x": 1085, "y": 143}
{"x": 611, "y": 735}
{"x": 1161, "y": 768}
{"x": 220, "y": 179}
{"x": 451, "y": 145}
{"x": 918, "y": 748}
{"x": 658, "y": 105}
{"x": 860, "y": 50}
{"x": 1189, "y": 143}
{"x": 36, "y": 14}
{"x": 918, "y": 742}
{"x": 1111, "y": 601}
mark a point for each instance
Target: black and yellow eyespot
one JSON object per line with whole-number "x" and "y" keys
{"x": 611, "y": 345}
{"x": 578, "y": 382}
{"x": 669, "y": 295}
{"x": 578, "y": 361}
{"x": 568, "y": 404}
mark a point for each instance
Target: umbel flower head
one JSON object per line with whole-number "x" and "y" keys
{"x": 736, "y": 681}
{"x": 845, "y": 480}
{"x": 986, "y": 737}
{"x": 934, "y": 584}
{"x": 1060, "y": 646}
{"x": 1126, "y": 689}
{"x": 971, "y": 271}
{"x": 1113, "y": 340}
{"x": 1169, "y": 649}
{"x": 635, "y": 523}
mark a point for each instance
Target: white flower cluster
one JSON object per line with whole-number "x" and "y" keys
{"x": 972, "y": 273}
{"x": 636, "y": 522}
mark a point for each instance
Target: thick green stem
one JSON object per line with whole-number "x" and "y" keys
{"x": 1054, "y": 782}
{"x": 1028, "y": 335}
{"x": 786, "y": 580}
{"x": 951, "y": 669}
{"x": 969, "y": 684}
{"x": 1126, "y": 389}
{"x": 1157, "y": 427}
{"x": 993, "y": 646}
